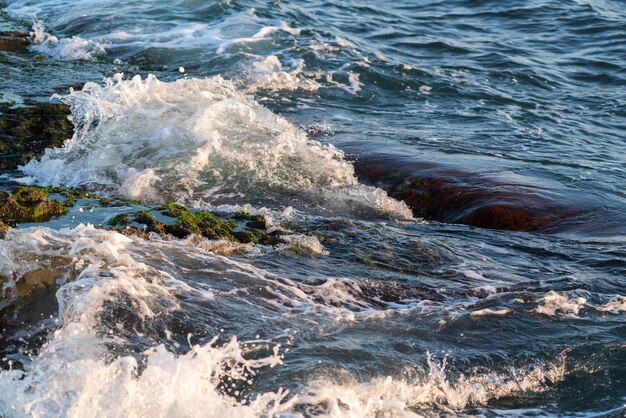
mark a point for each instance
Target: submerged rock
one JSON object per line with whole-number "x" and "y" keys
{"x": 37, "y": 204}
{"x": 29, "y": 204}
{"x": 24, "y": 204}
{"x": 14, "y": 41}
{"x": 26, "y": 132}
{"x": 438, "y": 193}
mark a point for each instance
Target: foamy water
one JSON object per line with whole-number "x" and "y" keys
{"x": 74, "y": 48}
{"x": 360, "y": 308}
{"x": 76, "y": 373}
{"x": 191, "y": 139}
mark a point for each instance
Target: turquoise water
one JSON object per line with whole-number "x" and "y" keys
{"x": 366, "y": 308}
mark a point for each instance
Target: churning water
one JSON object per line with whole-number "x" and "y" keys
{"x": 364, "y": 309}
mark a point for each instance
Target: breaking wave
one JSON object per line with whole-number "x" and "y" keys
{"x": 196, "y": 140}
{"x": 74, "y": 48}
{"x": 94, "y": 363}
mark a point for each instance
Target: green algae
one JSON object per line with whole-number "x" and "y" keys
{"x": 26, "y": 132}
{"x": 26, "y": 204}
{"x": 186, "y": 222}
{"x": 29, "y": 204}
{"x": 253, "y": 221}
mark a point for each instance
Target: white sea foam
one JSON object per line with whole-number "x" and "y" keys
{"x": 431, "y": 387}
{"x": 616, "y": 305}
{"x": 263, "y": 33}
{"x": 236, "y": 29}
{"x": 75, "y": 374}
{"x": 268, "y": 74}
{"x": 74, "y": 48}
{"x": 555, "y": 302}
{"x": 487, "y": 311}
{"x": 302, "y": 243}
{"x": 152, "y": 140}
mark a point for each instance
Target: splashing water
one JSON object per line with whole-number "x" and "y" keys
{"x": 190, "y": 140}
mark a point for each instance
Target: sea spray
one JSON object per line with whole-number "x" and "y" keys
{"x": 194, "y": 140}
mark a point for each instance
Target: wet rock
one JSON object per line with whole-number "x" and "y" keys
{"x": 26, "y": 303}
{"x": 26, "y": 132}
{"x": 442, "y": 194}
{"x": 35, "y": 204}
{"x": 4, "y": 228}
{"x": 181, "y": 222}
{"x": 27, "y": 204}
{"x": 14, "y": 41}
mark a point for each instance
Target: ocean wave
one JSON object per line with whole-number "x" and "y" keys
{"x": 92, "y": 364}
{"x": 193, "y": 140}
{"x": 74, "y": 48}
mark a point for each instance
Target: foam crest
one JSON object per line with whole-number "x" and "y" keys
{"x": 167, "y": 385}
{"x": 190, "y": 139}
{"x": 268, "y": 74}
{"x": 435, "y": 388}
{"x": 555, "y": 302}
{"x": 74, "y": 48}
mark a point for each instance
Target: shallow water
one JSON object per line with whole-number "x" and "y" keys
{"x": 300, "y": 111}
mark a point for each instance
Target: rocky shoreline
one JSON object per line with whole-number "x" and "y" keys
{"x": 432, "y": 192}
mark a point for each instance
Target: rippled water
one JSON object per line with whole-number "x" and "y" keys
{"x": 294, "y": 109}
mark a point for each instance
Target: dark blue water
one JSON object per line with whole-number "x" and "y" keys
{"x": 507, "y": 300}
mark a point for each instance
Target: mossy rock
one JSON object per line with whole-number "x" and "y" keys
{"x": 26, "y": 132}
{"x": 34, "y": 204}
{"x": 253, "y": 221}
{"x": 186, "y": 222}
{"x": 27, "y": 205}
{"x": 4, "y": 228}
{"x": 30, "y": 195}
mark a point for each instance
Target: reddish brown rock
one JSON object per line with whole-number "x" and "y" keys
{"x": 438, "y": 193}
{"x": 14, "y": 41}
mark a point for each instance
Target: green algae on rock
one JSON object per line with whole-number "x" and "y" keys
{"x": 25, "y": 204}
{"x": 26, "y": 132}
{"x": 185, "y": 222}
{"x": 37, "y": 204}
{"x": 28, "y": 204}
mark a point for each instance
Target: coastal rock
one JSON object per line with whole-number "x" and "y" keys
{"x": 4, "y": 228}
{"x": 26, "y": 132}
{"x": 182, "y": 222}
{"x": 28, "y": 204}
{"x": 438, "y": 193}
{"x": 14, "y": 41}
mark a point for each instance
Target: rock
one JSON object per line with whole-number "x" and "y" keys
{"x": 33, "y": 204}
{"x": 254, "y": 221}
{"x": 4, "y": 228}
{"x": 26, "y": 132}
{"x": 438, "y": 193}
{"x": 185, "y": 223}
{"x": 28, "y": 204}
{"x": 36, "y": 204}
{"x": 14, "y": 41}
